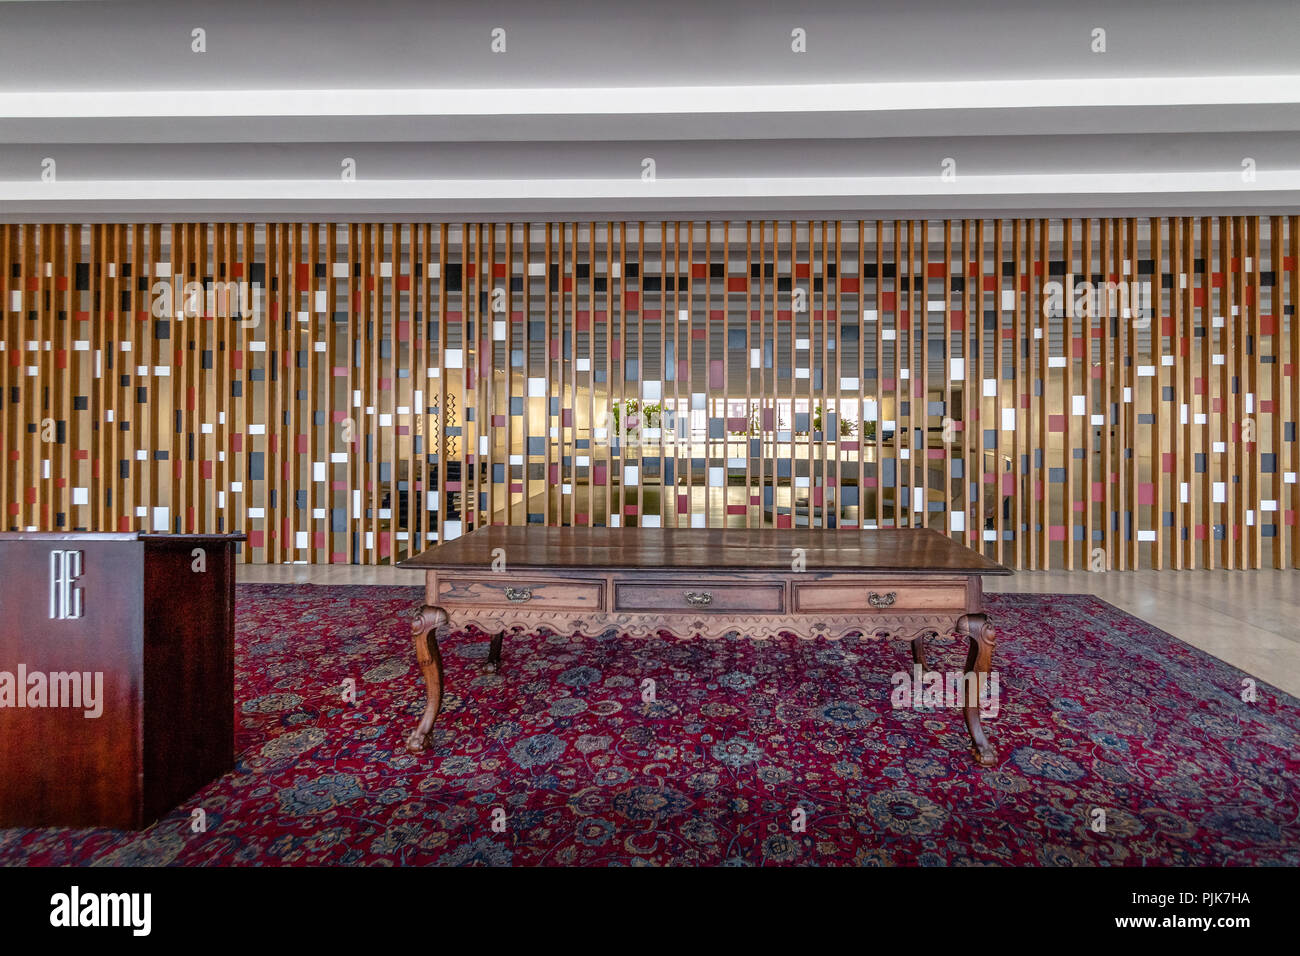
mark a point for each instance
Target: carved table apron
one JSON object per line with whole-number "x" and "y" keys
{"x": 905, "y": 584}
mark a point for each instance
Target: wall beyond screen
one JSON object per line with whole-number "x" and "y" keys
{"x": 1079, "y": 393}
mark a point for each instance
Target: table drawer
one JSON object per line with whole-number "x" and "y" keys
{"x": 694, "y": 597}
{"x": 510, "y": 591}
{"x": 880, "y": 597}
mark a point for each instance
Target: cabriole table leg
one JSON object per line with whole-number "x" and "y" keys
{"x": 979, "y": 661}
{"x": 425, "y": 626}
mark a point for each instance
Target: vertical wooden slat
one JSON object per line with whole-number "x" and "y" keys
{"x": 973, "y": 422}
{"x": 479, "y": 292}
{"x": 526, "y": 428}
{"x": 748, "y": 367}
{"x": 380, "y": 398}
{"x": 625, "y": 289}
{"x": 68, "y": 242}
{"x": 1231, "y": 418}
{"x": 315, "y": 493}
{"x": 835, "y": 385}
{"x": 1208, "y": 301}
{"x": 947, "y": 419}
{"x": 818, "y": 368}
{"x": 878, "y": 498}
{"x": 1129, "y": 273}
{"x": 1163, "y": 426}
{"x": 23, "y": 413}
{"x": 507, "y": 365}
{"x": 765, "y": 394}
{"x": 1293, "y": 255}
{"x": 1276, "y": 489}
{"x": 859, "y": 311}
{"x": 1178, "y": 429}
{"x": 1187, "y": 354}
{"x": 919, "y": 387}
{"x": 1042, "y": 489}
{"x": 563, "y": 364}
{"x": 8, "y": 379}
{"x": 1252, "y": 277}
{"x": 439, "y": 362}
{"x": 1020, "y": 363}
{"x": 610, "y": 465}
{"x": 42, "y": 387}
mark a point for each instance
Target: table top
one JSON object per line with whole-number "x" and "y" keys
{"x": 545, "y": 547}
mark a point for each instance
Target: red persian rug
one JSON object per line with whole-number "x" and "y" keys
{"x": 1102, "y": 720}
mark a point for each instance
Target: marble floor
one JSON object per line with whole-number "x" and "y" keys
{"x": 1251, "y": 619}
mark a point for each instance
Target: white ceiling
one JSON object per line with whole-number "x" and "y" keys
{"x": 139, "y": 126}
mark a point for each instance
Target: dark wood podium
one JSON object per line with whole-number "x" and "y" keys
{"x": 116, "y": 674}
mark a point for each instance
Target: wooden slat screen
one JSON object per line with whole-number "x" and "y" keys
{"x": 350, "y": 393}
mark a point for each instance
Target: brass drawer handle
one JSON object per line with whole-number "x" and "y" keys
{"x": 882, "y": 600}
{"x": 519, "y": 595}
{"x": 698, "y": 598}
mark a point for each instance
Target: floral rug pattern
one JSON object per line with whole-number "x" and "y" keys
{"x": 1118, "y": 744}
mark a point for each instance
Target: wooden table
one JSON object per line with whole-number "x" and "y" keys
{"x": 908, "y": 584}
